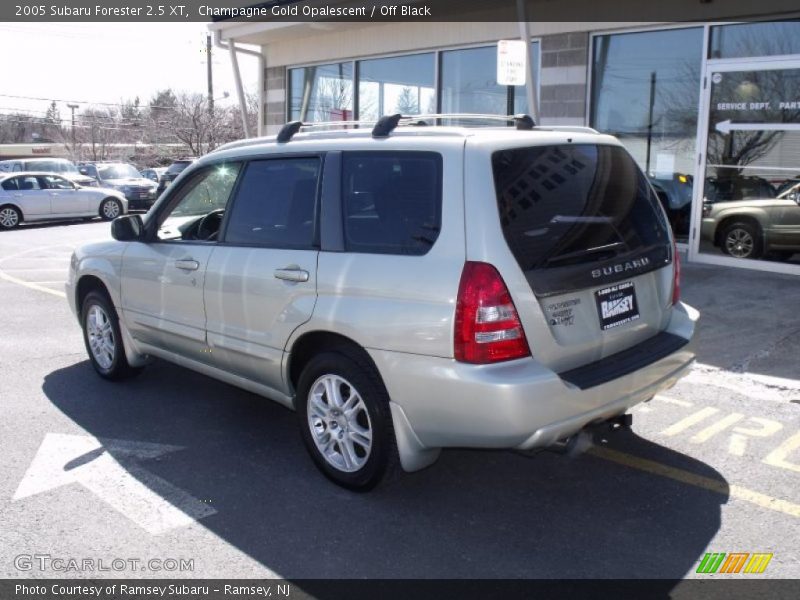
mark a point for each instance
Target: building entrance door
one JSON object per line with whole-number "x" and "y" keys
{"x": 746, "y": 209}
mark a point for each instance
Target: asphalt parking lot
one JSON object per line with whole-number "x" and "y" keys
{"x": 173, "y": 466}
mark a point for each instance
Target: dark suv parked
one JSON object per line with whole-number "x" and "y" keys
{"x": 172, "y": 172}
{"x": 123, "y": 177}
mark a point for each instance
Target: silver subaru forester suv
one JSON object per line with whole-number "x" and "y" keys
{"x": 404, "y": 289}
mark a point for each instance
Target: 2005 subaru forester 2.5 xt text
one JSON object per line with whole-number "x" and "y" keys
{"x": 404, "y": 289}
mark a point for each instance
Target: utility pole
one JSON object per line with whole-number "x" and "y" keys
{"x": 209, "y": 75}
{"x": 73, "y": 107}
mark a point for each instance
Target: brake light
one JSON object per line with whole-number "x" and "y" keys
{"x": 676, "y": 278}
{"x": 487, "y": 327}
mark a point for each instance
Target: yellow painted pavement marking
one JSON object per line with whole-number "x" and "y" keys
{"x": 707, "y": 483}
{"x": 690, "y": 421}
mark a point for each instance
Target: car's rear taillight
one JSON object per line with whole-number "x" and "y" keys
{"x": 676, "y": 276}
{"x": 487, "y": 327}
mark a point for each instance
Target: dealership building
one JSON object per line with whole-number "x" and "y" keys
{"x": 710, "y": 109}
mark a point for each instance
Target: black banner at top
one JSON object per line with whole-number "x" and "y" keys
{"x": 392, "y": 10}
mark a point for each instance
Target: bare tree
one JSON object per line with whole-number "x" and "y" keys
{"x": 98, "y": 127}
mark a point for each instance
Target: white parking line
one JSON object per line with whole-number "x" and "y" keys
{"x": 33, "y": 286}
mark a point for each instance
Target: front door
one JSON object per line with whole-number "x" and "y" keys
{"x": 747, "y": 206}
{"x": 261, "y": 282}
{"x": 163, "y": 277}
{"x": 65, "y": 199}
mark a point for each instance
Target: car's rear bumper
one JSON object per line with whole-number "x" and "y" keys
{"x": 518, "y": 404}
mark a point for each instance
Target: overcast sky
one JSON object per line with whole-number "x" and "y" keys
{"x": 108, "y": 62}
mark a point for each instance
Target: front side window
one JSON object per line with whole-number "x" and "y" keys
{"x": 276, "y": 203}
{"x": 11, "y": 184}
{"x": 51, "y": 182}
{"x": 391, "y": 201}
{"x": 201, "y": 205}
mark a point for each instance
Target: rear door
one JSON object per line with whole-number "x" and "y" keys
{"x": 261, "y": 281}
{"x": 32, "y": 199}
{"x": 582, "y": 245}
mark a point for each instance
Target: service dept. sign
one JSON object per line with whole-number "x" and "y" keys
{"x": 512, "y": 62}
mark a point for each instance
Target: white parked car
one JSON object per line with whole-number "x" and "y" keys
{"x": 32, "y": 196}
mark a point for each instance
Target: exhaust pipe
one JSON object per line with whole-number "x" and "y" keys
{"x": 580, "y": 442}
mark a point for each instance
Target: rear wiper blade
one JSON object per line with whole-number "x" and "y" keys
{"x": 585, "y": 252}
{"x": 581, "y": 219}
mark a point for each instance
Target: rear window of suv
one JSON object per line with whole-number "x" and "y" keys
{"x": 567, "y": 211}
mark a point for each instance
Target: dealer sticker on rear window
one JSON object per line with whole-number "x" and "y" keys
{"x": 616, "y": 305}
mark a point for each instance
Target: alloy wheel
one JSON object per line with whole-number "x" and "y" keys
{"x": 101, "y": 336}
{"x": 8, "y": 218}
{"x": 111, "y": 209}
{"x": 339, "y": 423}
{"x": 739, "y": 243}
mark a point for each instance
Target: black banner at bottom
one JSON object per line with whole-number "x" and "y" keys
{"x": 388, "y": 589}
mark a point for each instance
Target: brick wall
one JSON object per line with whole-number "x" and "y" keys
{"x": 563, "y": 78}
{"x": 275, "y": 109}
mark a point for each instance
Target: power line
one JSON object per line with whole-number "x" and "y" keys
{"x": 89, "y": 102}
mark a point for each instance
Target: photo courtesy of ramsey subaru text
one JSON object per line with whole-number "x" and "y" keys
{"x": 403, "y": 288}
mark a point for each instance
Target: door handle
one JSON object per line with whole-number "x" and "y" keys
{"x": 291, "y": 274}
{"x": 17, "y": 195}
{"x": 187, "y": 264}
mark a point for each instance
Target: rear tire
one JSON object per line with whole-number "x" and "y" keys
{"x": 10, "y": 217}
{"x": 103, "y": 338}
{"x": 345, "y": 421}
{"x": 742, "y": 240}
{"x": 110, "y": 209}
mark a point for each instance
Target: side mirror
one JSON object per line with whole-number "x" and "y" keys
{"x": 127, "y": 228}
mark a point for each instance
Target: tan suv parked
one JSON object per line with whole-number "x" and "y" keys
{"x": 404, "y": 289}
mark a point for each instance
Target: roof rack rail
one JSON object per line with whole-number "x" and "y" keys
{"x": 521, "y": 121}
{"x": 385, "y": 125}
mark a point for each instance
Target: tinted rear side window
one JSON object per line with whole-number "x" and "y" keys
{"x": 392, "y": 201}
{"x": 571, "y": 211}
{"x": 276, "y": 204}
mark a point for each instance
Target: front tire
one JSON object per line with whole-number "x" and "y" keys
{"x": 742, "y": 240}
{"x": 110, "y": 209}
{"x": 345, "y": 420}
{"x": 103, "y": 339}
{"x": 10, "y": 217}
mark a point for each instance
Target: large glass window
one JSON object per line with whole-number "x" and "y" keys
{"x": 755, "y": 39}
{"x": 321, "y": 93}
{"x": 402, "y": 84}
{"x": 469, "y": 83}
{"x": 645, "y": 91}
